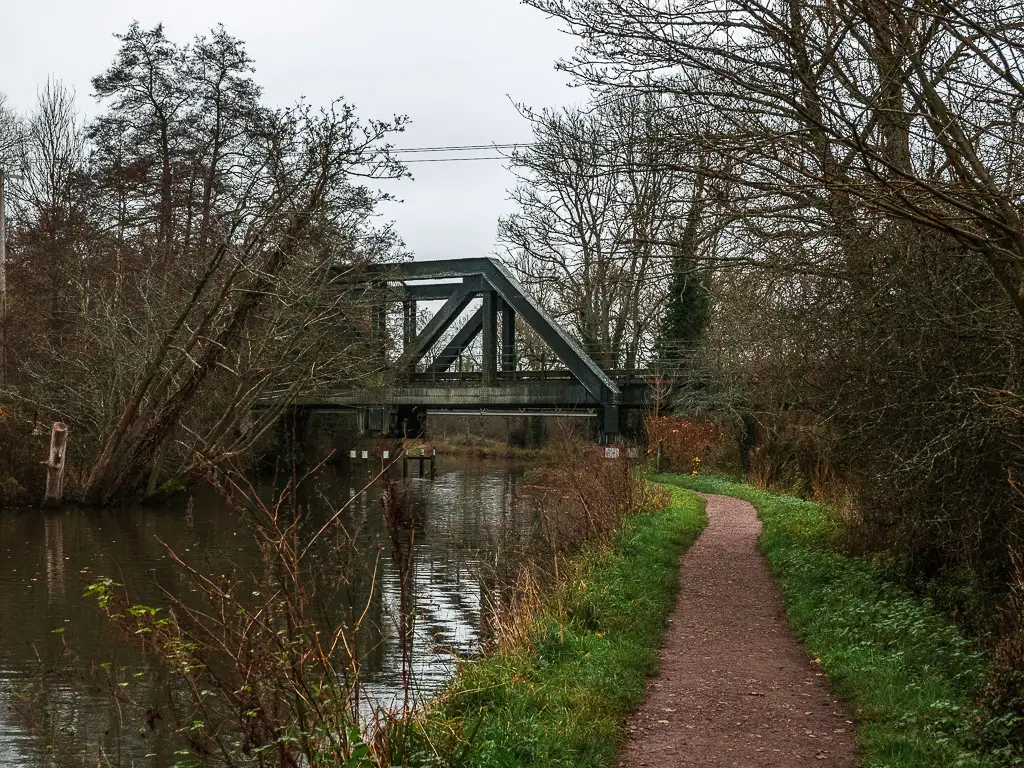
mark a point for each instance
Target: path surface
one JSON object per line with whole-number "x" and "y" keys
{"x": 735, "y": 687}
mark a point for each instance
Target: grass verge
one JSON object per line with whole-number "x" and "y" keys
{"x": 561, "y": 697}
{"x": 910, "y": 678}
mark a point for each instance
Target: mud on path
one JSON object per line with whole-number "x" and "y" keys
{"x": 735, "y": 688}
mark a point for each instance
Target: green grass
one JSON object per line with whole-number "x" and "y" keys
{"x": 910, "y": 678}
{"x": 562, "y": 700}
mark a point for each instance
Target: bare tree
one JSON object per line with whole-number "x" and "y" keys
{"x": 853, "y": 112}
{"x": 10, "y": 135}
{"x": 181, "y": 261}
{"x": 600, "y": 196}
{"x": 10, "y": 140}
{"x": 299, "y": 186}
{"x": 865, "y": 162}
{"x": 49, "y": 202}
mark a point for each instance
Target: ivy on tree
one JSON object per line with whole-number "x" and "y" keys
{"x": 688, "y": 306}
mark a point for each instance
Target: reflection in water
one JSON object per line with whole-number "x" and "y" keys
{"x": 54, "y": 545}
{"x": 466, "y": 519}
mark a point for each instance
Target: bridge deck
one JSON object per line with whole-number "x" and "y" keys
{"x": 550, "y": 389}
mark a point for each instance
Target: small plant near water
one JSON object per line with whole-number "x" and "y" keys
{"x": 584, "y": 500}
{"x": 259, "y": 666}
{"x": 911, "y": 679}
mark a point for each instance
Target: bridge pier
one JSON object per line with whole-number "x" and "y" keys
{"x": 374, "y": 421}
{"x": 608, "y": 424}
{"x": 394, "y": 421}
{"x": 508, "y": 337}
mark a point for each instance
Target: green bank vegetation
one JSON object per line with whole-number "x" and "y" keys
{"x": 560, "y": 694}
{"x": 911, "y": 679}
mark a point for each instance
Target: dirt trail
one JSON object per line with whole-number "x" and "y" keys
{"x": 735, "y": 687}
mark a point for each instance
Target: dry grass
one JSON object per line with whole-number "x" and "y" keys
{"x": 585, "y": 499}
{"x": 581, "y": 504}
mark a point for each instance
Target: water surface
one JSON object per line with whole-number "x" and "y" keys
{"x": 470, "y": 523}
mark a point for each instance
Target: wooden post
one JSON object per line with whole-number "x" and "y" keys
{"x": 55, "y": 465}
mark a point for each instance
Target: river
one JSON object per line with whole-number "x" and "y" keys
{"x": 471, "y": 521}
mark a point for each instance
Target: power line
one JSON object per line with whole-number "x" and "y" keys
{"x": 397, "y": 152}
{"x": 459, "y": 148}
{"x": 454, "y": 159}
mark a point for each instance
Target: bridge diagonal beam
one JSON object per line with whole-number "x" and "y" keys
{"x": 589, "y": 373}
{"x": 414, "y": 351}
{"x": 459, "y": 343}
{"x": 579, "y": 363}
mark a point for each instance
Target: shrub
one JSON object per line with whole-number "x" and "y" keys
{"x": 681, "y": 444}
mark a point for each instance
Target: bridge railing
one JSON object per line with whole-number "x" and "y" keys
{"x": 619, "y": 375}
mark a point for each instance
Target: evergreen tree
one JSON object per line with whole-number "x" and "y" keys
{"x": 688, "y": 305}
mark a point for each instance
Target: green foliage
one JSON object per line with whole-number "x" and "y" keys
{"x": 562, "y": 699}
{"x": 687, "y": 309}
{"x": 103, "y": 591}
{"x": 911, "y": 679}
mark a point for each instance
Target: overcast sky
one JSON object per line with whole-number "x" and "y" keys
{"x": 453, "y": 66}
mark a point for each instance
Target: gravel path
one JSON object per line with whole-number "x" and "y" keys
{"x": 735, "y": 687}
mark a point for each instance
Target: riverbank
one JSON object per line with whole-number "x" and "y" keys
{"x": 911, "y": 679}
{"x": 560, "y": 696}
{"x": 486, "y": 448}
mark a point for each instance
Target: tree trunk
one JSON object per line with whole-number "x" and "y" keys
{"x": 55, "y": 465}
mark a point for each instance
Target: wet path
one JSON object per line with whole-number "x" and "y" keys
{"x": 735, "y": 688}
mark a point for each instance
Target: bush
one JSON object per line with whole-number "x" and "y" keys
{"x": 585, "y": 499}
{"x": 21, "y": 476}
{"x": 682, "y": 445}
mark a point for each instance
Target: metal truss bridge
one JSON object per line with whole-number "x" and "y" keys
{"x": 581, "y": 387}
